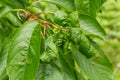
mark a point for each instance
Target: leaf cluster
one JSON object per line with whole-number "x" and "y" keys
{"x": 51, "y": 40}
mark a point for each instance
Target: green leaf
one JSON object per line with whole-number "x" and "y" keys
{"x": 92, "y": 69}
{"x": 51, "y": 51}
{"x": 50, "y": 71}
{"x": 68, "y": 67}
{"x": 34, "y": 10}
{"x": 3, "y": 59}
{"x": 66, "y": 4}
{"x": 91, "y": 26}
{"x": 7, "y": 26}
{"x": 24, "y": 52}
{"x": 13, "y": 19}
{"x": 74, "y": 19}
{"x": 89, "y": 7}
{"x": 60, "y": 16}
{"x": 2, "y": 37}
{"x": 15, "y": 3}
{"x": 51, "y": 44}
{"x": 103, "y": 58}
{"x": 4, "y": 10}
{"x": 3, "y": 54}
{"x": 25, "y": 2}
{"x": 60, "y": 69}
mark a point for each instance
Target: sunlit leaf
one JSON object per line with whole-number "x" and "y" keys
{"x": 24, "y": 52}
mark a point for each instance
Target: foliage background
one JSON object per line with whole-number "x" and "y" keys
{"x": 110, "y": 20}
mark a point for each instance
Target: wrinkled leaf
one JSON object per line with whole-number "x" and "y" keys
{"x": 83, "y": 43}
{"x": 51, "y": 51}
{"x": 74, "y": 19}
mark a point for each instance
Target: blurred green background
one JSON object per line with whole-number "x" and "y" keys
{"x": 109, "y": 18}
